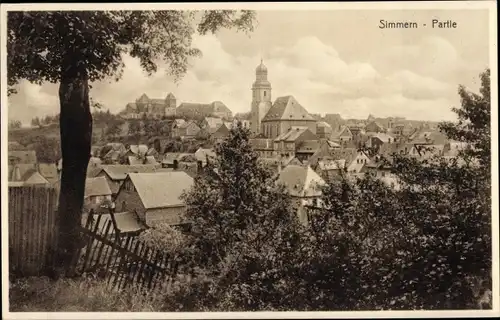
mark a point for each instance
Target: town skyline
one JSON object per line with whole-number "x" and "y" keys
{"x": 315, "y": 63}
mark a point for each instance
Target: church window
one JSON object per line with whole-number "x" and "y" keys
{"x": 264, "y": 93}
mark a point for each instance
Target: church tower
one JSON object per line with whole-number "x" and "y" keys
{"x": 261, "y": 97}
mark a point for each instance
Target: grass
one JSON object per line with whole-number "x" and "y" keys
{"x": 40, "y": 294}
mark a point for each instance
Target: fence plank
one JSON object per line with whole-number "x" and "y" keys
{"x": 105, "y": 235}
{"x": 30, "y": 220}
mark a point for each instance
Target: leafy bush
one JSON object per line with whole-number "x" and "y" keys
{"x": 164, "y": 237}
{"x": 370, "y": 247}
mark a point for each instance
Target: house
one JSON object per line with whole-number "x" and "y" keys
{"x": 388, "y": 150}
{"x": 97, "y": 191}
{"x": 188, "y": 129}
{"x": 354, "y": 159}
{"x": 175, "y": 127}
{"x": 22, "y": 157}
{"x": 116, "y": 146}
{"x": 453, "y": 148}
{"x": 329, "y": 168}
{"x": 378, "y": 139}
{"x": 305, "y": 149}
{"x": 196, "y": 110}
{"x": 112, "y": 157}
{"x": 155, "y": 197}
{"x": 423, "y": 152}
{"x": 304, "y": 187}
{"x": 95, "y": 151}
{"x": 116, "y": 174}
{"x": 127, "y": 223}
{"x": 381, "y": 168}
{"x": 245, "y": 124}
{"x": 342, "y": 135}
{"x": 358, "y": 162}
{"x": 49, "y": 172}
{"x": 324, "y": 150}
{"x": 323, "y": 130}
{"x": 356, "y": 130}
{"x": 26, "y": 174}
{"x": 203, "y": 156}
{"x": 173, "y": 159}
{"x": 220, "y": 134}
{"x": 138, "y": 160}
{"x": 136, "y": 150}
{"x": 285, "y": 145}
{"x": 263, "y": 146}
{"x": 211, "y": 124}
{"x": 334, "y": 120}
{"x": 429, "y": 137}
{"x": 374, "y": 126}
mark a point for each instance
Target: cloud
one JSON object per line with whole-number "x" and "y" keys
{"x": 33, "y": 101}
{"x": 433, "y": 57}
{"x": 410, "y": 81}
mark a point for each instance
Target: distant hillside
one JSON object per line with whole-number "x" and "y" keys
{"x": 50, "y": 131}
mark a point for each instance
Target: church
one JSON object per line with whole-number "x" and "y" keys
{"x": 272, "y": 120}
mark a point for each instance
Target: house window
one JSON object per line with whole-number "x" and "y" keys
{"x": 383, "y": 174}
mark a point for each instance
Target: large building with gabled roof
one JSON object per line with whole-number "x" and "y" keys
{"x": 144, "y": 106}
{"x": 274, "y": 119}
{"x": 201, "y": 110}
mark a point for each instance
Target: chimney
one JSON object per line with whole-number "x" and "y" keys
{"x": 17, "y": 174}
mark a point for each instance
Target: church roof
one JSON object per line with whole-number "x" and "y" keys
{"x": 219, "y": 106}
{"x": 287, "y": 108}
{"x": 170, "y": 96}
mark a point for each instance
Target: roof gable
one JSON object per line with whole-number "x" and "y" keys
{"x": 35, "y": 178}
{"x": 287, "y": 108}
{"x": 119, "y": 172}
{"x": 300, "y": 181}
{"x": 163, "y": 189}
{"x": 97, "y": 187}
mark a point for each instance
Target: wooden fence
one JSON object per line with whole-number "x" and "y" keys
{"x": 123, "y": 260}
{"x": 32, "y": 229}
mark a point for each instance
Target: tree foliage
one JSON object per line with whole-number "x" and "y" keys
{"x": 96, "y": 41}
{"x": 369, "y": 247}
{"x": 76, "y": 48}
{"x": 14, "y": 124}
{"x": 242, "y": 230}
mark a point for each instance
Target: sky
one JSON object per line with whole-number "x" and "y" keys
{"x": 335, "y": 61}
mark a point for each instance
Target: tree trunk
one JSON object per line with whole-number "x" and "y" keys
{"x": 76, "y": 139}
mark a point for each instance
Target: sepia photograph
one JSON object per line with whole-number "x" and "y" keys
{"x": 249, "y": 159}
